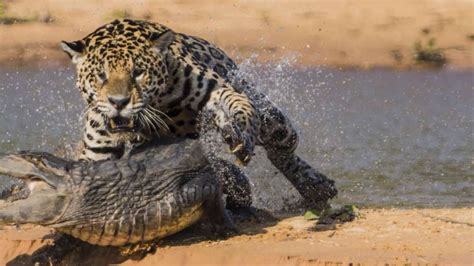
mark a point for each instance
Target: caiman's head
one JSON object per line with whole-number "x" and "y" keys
{"x": 44, "y": 178}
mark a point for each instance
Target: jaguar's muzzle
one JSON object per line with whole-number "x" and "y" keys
{"x": 122, "y": 124}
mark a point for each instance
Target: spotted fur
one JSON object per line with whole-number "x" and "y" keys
{"x": 150, "y": 76}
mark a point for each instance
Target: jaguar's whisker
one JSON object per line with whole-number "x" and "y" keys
{"x": 160, "y": 123}
{"x": 150, "y": 122}
{"x": 154, "y": 119}
{"x": 161, "y": 113}
{"x": 144, "y": 122}
{"x": 158, "y": 117}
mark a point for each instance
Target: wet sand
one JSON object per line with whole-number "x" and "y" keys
{"x": 364, "y": 33}
{"x": 380, "y": 236}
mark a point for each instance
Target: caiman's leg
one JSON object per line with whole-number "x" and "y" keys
{"x": 53, "y": 254}
{"x": 211, "y": 191}
{"x": 280, "y": 140}
{"x": 202, "y": 188}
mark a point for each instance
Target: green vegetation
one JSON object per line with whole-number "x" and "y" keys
{"x": 123, "y": 14}
{"x": 2, "y": 9}
{"x": 119, "y": 14}
{"x": 5, "y": 19}
{"x": 328, "y": 218}
{"x": 311, "y": 215}
{"x": 9, "y": 20}
{"x": 429, "y": 54}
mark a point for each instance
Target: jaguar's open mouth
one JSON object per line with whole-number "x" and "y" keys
{"x": 121, "y": 124}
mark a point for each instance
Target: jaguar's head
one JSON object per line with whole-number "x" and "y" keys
{"x": 121, "y": 68}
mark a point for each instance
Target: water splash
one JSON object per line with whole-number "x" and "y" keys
{"x": 388, "y": 138}
{"x": 40, "y": 110}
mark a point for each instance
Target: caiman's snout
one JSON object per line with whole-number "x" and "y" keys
{"x": 46, "y": 199}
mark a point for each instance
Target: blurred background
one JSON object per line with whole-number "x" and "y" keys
{"x": 380, "y": 91}
{"x": 363, "y": 33}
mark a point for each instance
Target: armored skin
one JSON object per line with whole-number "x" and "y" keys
{"x": 154, "y": 193}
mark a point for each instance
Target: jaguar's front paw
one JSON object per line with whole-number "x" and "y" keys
{"x": 240, "y": 143}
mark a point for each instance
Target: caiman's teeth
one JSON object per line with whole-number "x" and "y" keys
{"x": 112, "y": 124}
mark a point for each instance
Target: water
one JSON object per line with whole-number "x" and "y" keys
{"x": 388, "y": 138}
{"x": 40, "y": 109}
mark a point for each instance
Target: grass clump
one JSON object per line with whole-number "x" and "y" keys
{"x": 328, "y": 218}
{"x": 119, "y": 14}
{"x": 429, "y": 54}
{"x": 9, "y": 20}
{"x": 6, "y": 20}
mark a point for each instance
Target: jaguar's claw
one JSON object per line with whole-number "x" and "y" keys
{"x": 227, "y": 138}
{"x": 247, "y": 158}
{"x": 237, "y": 148}
{"x": 240, "y": 144}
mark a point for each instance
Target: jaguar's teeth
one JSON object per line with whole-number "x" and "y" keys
{"x": 112, "y": 124}
{"x": 130, "y": 123}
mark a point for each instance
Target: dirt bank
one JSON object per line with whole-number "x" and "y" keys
{"x": 417, "y": 236}
{"x": 363, "y": 33}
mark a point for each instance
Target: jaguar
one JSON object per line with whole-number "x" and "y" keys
{"x": 142, "y": 80}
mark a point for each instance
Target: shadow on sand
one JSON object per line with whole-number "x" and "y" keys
{"x": 66, "y": 250}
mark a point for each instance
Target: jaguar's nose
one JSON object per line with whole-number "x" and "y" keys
{"x": 119, "y": 101}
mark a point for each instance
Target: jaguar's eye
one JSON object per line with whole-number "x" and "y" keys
{"x": 102, "y": 76}
{"x": 137, "y": 72}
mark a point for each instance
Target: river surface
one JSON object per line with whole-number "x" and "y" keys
{"x": 388, "y": 138}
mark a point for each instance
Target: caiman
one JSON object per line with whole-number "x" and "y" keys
{"x": 155, "y": 192}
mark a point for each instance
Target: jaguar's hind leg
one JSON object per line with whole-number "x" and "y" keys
{"x": 280, "y": 140}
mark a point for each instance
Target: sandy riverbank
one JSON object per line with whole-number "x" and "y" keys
{"x": 416, "y": 237}
{"x": 364, "y": 33}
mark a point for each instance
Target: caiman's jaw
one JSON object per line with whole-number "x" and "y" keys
{"x": 47, "y": 195}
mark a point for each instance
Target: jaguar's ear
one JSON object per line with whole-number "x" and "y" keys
{"x": 162, "y": 40}
{"x": 75, "y": 50}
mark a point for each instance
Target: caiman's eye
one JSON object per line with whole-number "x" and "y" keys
{"x": 32, "y": 158}
{"x": 137, "y": 73}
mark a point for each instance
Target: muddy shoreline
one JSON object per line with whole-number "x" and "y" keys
{"x": 362, "y": 34}
{"x": 351, "y": 34}
{"x": 394, "y": 236}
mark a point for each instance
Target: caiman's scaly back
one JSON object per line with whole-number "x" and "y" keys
{"x": 157, "y": 192}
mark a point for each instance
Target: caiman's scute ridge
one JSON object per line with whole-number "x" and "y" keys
{"x": 156, "y": 192}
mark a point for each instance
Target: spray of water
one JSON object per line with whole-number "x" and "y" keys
{"x": 386, "y": 137}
